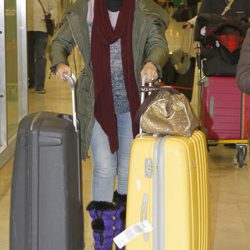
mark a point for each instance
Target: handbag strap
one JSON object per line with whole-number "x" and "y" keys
{"x": 227, "y": 8}
{"x": 44, "y": 11}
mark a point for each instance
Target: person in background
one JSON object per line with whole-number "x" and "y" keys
{"x": 120, "y": 41}
{"x": 192, "y": 7}
{"x": 243, "y": 67}
{"x": 37, "y": 41}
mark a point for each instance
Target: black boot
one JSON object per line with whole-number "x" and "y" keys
{"x": 103, "y": 216}
{"x": 120, "y": 201}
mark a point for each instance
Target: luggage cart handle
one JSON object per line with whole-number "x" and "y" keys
{"x": 72, "y": 83}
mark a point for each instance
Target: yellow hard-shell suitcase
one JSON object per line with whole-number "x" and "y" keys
{"x": 168, "y": 187}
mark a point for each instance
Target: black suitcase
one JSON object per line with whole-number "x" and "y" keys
{"x": 46, "y": 195}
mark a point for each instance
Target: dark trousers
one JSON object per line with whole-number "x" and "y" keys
{"x": 37, "y": 44}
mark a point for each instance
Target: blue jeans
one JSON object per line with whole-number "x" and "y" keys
{"x": 106, "y": 166}
{"x": 37, "y": 44}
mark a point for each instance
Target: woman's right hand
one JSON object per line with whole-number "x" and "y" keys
{"x": 61, "y": 70}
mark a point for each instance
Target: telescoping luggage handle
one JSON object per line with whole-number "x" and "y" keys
{"x": 72, "y": 83}
{"x": 150, "y": 87}
{"x": 147, "y": 89}
{"x": 143, "y": 83}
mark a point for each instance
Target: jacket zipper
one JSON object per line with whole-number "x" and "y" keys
{"x": 71, "y": 29}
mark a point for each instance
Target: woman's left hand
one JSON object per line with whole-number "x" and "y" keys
{"x": 150, "y": 71}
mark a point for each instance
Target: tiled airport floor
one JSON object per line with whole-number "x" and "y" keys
{"x": 229, "y": 186}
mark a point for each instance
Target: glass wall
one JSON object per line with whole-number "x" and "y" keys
{"x": 11, "y": 66}
{"x": 13, "y": 81}
{"x": 3, "y": 110}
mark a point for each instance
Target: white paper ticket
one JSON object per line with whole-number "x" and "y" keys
{"x": 131, "y": 232}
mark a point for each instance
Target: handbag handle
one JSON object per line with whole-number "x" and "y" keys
{"x": 152, "y": 93}
{"x": 227, "y": 8}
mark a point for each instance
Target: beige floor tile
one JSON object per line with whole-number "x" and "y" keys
{"x": 231, "y": 241}
{"x": 4, "y": 220}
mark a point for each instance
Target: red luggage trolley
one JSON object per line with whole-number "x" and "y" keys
{"x": 224, "y": 110}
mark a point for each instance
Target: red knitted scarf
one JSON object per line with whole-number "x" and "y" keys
{"x": 102, "y": 36}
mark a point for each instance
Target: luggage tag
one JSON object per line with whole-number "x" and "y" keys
{"x": 132, "y": 232}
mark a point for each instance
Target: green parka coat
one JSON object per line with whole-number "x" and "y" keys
{"x": 149, "y": 44}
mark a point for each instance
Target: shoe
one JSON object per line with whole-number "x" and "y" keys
{"x": 120, "y": 202}
{"x": 41, "y": 91}
{"x": 31, "y": 84}
{"x": 230, "y": 145}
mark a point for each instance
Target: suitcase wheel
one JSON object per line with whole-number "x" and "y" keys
{"x": 241, "y": 152}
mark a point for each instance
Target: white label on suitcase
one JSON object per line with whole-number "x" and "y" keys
{"x": 138, "y": 184}
{"x": 131, "y": 232}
